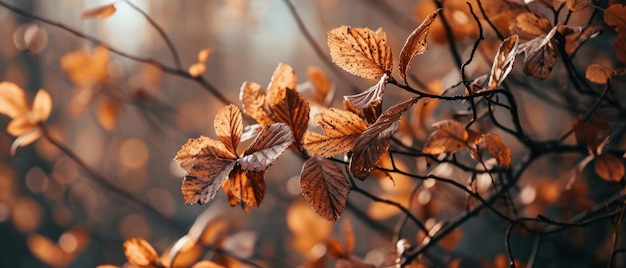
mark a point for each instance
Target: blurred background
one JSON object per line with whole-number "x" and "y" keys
{"x": 127, "y": 120}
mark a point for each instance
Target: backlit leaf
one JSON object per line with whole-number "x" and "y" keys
{"x": 324, "y": 187}
{"x": 292, "y": 110}
{"x": 321, "y": 85}
{"x": 449, "y": 137}
{"x": 140, "y": 253}
{"x": 371, "y": 97}
{"x": 248, "y": 186}
{"x": 416, "y": 43}
{"x": 615, "y": 17}
{"x": 267, "y": 147}
{"x": 341, "y": 128}
{"x": 42, "y": 106}
{"x": 108, "y": 113}
{"x": 609, "y": 167}
{"x": 101, "y": 12}
{"x": 283, "y": 78}
{"x": 47, "y": 251}
{"x": 598, "y": 73}
{"x": 498, "y": 149}
{"x": 374, "y": 141}
{"x": 228, "y": 126}
{"x": 252, "y": 97}
{"x": 207, "y": 264}
{"x": 503, "y": 62}
{"x": 197, "y": 69}
{"x": 577, "y": 5}
{"x": 183, "y": 253}
{"x": 13, "y": 100}
{"x": 360, "y": 51}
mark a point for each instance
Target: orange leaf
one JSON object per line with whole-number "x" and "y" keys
{"x": 203, "y": 55}
{"x": 207, "y": 264}
{"x": 529, "y": 25}
{"x": 341, "y": 128}
{"x": 615, "y": 17}
{"x": 283, "y": 78}
{"x": 252, "y": 97}
{"x": 371, "y": 97}
{"x": 324, "y": 187}
{"x": 360, "y": 51}
{"x": 13, "y": 100}
{"x": 416, "y": 43}
{"x": 348, "y": 235}
{"x": 228, "y": 126}
{"x": 577, "y": 5}
{"x": 183, "y": 253}
{"x": 108, "y": 113}
{"x": 248, "y": 186}
{"x": 591, "y": 133}
{"x": 335, "y": 249}
{"x": 449, "y": 137}
{"x": 140, "y": 253}
{"x": 609, "y": 167}
{"x": 599, "y": 73}
{"x": 292, "y": 110}
{"x": 266, "y": 148}
{"x": 321, "y": 85}
{"x": 42, "y": 106}
{"x": 197, "y": 69}
{"x": 498, "y": 149}
{"x": 101, "y": 12}
{"x": 503, "y": 62}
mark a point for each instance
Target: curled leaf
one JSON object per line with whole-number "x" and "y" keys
{"x": 360, "y": 51}
{"x": 324, "y": 187}
{"x": 101, "y": 12}
{"x": 416, "y": 43}
{"x": 371, "y": 97}
{"x": 503, "y": 62}
{"x": 449, "y": 137}
{"x": 140, "y": 253}
{"x": 541, "y": 55}
{"x": 266, "y": 148}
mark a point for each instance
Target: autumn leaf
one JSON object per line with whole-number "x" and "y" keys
{"x": 374, "y": 141}
{"x": 591, "y": 133}
{"x": 577, "y": 5}
{"x": 360, "y": 51}
{"x": 197, "y": 69}
{"x": 140, "y": 253}
{"x": 503, "y": 62}
{"x": 599, "y": 74}
{"x": 609, "y": 167}
{"x": 615, "y": 17}
{"x": 228, "y": 126}
{"x": 266, "y": 148}
{"x": 101, "y": 12}
{"x": 541, "y": 55}
{"x": 324, "y": 187}
{"x": 24, "y": 121}
{"x": 247, "y": 186}
{"x": 528, "y": 25}
{"x": 283, "y": 78}
{"x": 108, "y": 113}
{"x": 252, "y": 97}
{"x": 85, "y": 68}
{"x": 371, "y": 97}
{"x": 341, "y": 129}
{"x": 449, "y": 137}
{"x": 292, "y": 110}
{"x": 498, "y": 149}
{"x": 416, "y": 43}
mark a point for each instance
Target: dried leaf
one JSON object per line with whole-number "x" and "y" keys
{"x": 335, "y": 249}
{"x": 374, "y": 141}
{"x": 416, "y": 43}
{"x": 530, "y": 25}
{"x": 591, "y": 133}
{"x": 324, "y": 187}
{"x": 266, "y": 148}
{"x": 86, "y": 68}
{"x": 248, "y": 186}
{"x": 577, "y": 5}
{"x": 283, "y": 78}
{"x": 207, "y": 264}
{"x": 232, "y": 199}
{"x": 360, "y": 51}
{"x": 292, "y": 110}
{"x": 598, "y": 73}
{"x": 449, "y": 137}
{"x": 503, "y": 62}
{"x": 321, "y": 85}
{"x": 371, "y": 97}
{"x": 140, "y": 253}
{"x": 341, "y": 128}
{"x": 101, "y": 12}
{"x": 13, "y": 100}
{"x": 47, "y": 251}
{"x": 108, "y": 113}
{"x": 228, "y": 126}
{"x": 541, "y": 55}
{"x": 252, "y": 97}
{"x": 498, "y": 149}
{"x": 203, "y": 55}
{"x": 615, "y": 17}
{"x": 609, "y": 167}
{"x": 197, "y": 69}
{"x": 183, "y": 253}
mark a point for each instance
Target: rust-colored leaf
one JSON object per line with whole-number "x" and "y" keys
{"x": 292, "y": 110}
{"x": 341, "y": 128}
{"x": 324, "y": 187}
{"x": 321, "y": 85}
{"x": 108, "y": 113}
{"x": 529, "y": 25}
{"x": 416, "y": 43}
{"x": 374, "y": 141}
{"x": 197, "y": 69}
{"x": 449, "y": 137}
{"x": 577, "y": 5}
{"x": 228, "y": 126}
{"x": 13, "y": 100}
{"x": 371, "y": 97}
{"x": 592, "y": 133}
{"x": 335, "y": 249}
{"x": 503, "y": 62}
{"x": 252, "y": 97}
{"x": 283, "y": 78}
{"x": 598, "y": 73}
{"x": 615, "y": 17}
{"x": 498, "y": 149}
{"x": 360, "y": 51}
{"x": 541, "y": 55}
{"x": 266, "y": 148}
{"x": 101, "y": 12}
{"x": 248, "y": 186}
{"x": 609, "y": 167}
{"x": 140, "y": 253}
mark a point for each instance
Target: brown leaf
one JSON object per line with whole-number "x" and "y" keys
{"x": 101, "y": 12}
{"x": 266, "y": 148}
{"x": 615, "y": 17}
{"x": 498, "y": 149}
{"x": 13, "y": 100}
{"x": 324, "y": 187}
{"x": 140, "y": 253}
{"x": 529, "y": 25}
{"x": 232, "y": 199}
{"x": 341, "y": 128}
{"x": 228, "y": 126}
{"x": 371, "y": 97}
{"x": 374, "y": 141}
{"x": 252, "y": 97}
{"x": 416, "y": 43}
{"x": 591, "y": 133}
{"x": 609, "y": 167}
{"x": 503, "y": 62}
{"x": 108, "y": 113}
{"x": 335, "y": 249}
{"x": 283, "y": 78}
{"x": 292, "y": 110}
{"x": 577, "y": 5}
{"x": 207, "y": 162}
{"x": 197, "y": 69}
{"x": 598, "y": 73}
{"x": 541, "y": 55}
{"x": 203, "y": 55}
{"x": 449, "y": 137}
{"x": 360, "y": 51}
{"x": 86, "y": 68}
{"x": 183, "y": 253}
{"x": 321, "y": 85}
{"x": 248, "y": 186}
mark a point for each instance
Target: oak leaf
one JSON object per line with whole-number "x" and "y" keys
{"x": 416, "y": 43}
{"x": 140, "y": 253}
{"x": 292, "y": 110}
{"x": 498, "y": 149}
{"x": 324, "y": 187}
{"x": 503, "y": 62}
{"x": 203, "y": 55}
{"x": 360, "y": 51}
{"x": 449, "y": 137}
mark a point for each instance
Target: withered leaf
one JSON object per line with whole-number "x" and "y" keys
{"x": 449, "y": 137}
{"x": 248, "y": 186}
{"x": 283, "y": 78}
{"x": 320, "y": 82}
{"x": 529, "y": 25}
{"x": 541, "y": 55}
{"x": 101, "y": 12}
{"x": 591, "y": 133}
{"x": 341, "y": 128}
{"x": 498, "y": 149}
{"x": 232, "y": 199}
{"x": 503, "y": 62}
{"x": 615, "y": 17}
{"x": 371, "y": 97}
{"x": 416, "y": 43}
{"x": 140, "y": 253}
{"x": 609, "y": 167}
{"x": 267, "y": 147}
{"x": 598, "y": 73}
{"x": 374, "y": 141}
{"x": 292, "y": 110}
{"x": 360, "y": 51}
{"x": 324, "y": 187}
{"x": 228, "y": 126}
{"x": 577, "y": 5}
{"x": 252, "y": 97}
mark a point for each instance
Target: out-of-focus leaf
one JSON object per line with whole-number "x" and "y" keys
{"x": 360, "y": 51}
{"x": 13, "y": 100}
{"x": 321, "y": 85}
{"x": 416, "y": 43}
{"x": 197, "y": 69}
{"x": 577, "y": 5}
{"x": 599, "y": 73}
{"x": 252, "y": 97}
{"x": 592, "y": 133}
{"x": 609, "y": 167}
{"x": 325, "y": 187}
{"x": 228, "y": 126}
{"x": 371, "y": 97}
{"x": 449, "y": 137}
{"x": 140, "y": 253}
{"x": 348, "y": 235}
{"x": 86, "y": 68}
{"x": 184, "y": 252}
{"x": 267, "y": 147}
{"x": 503, "y": 62}
{"x": 203, "y": 55}
{"x": 101, "y": 12}
{"x": 108, "y": 113}
{"x": 42, "y": 106}
{"x": 498, "y": 149}
{"x": 207, "y": 264}
{"x": 615, "y": 17}
{"x": 307, "y": 227}
{"x": 248, "y": 186}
